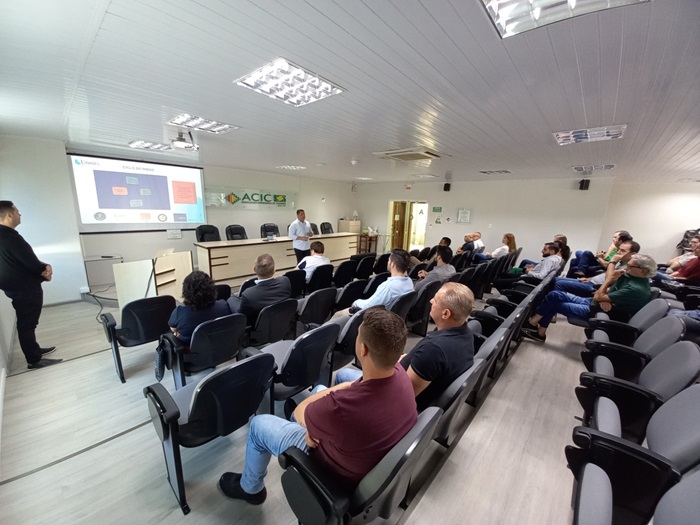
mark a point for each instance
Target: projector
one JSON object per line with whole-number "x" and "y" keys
{"x": 182, "y": 143}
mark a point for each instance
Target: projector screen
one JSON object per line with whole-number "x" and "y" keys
{"x": 122, "y": 195}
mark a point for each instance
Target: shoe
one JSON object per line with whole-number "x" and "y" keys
{"x": 230, "y": 486}
{"x": 49, "y": 350}
{"x": 532, "y": 333}
{"x": 43, "y": 363}
{"x": 289, "y": 406}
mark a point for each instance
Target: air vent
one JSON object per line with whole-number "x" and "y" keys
{"x": 590, "y": 169}
{"x": 496, "y": 172}
{"x": 410, "y": 154}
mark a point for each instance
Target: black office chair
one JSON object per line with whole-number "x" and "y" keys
{"x": 143, "y": 321}
{"x": 326, "y": 228}
{"x": 317, "y": 309}
{"x": 213, "y": 343}
{"x": 382, "y": 264}
{"x": 314, "y": 228}
{"x": 374, "y": 283}
{"x": 344, "y": 273}
{"x": 207, "y": 233}
{"x": 318, "y": 497}
{"x": 321, "y": 278}
{"x": 219, "y": 404}
{"x": 364, "y": 268}
{"x": 413, "y": 274}
{"x": 344, "y": 349}
{"x": 404, "y": 303}
{"x": 297, "y": 278}
{"x": 223, "y": 291}
{"x": 275, "y": 322}
{"x": 248, "y": 283}
{"x": 424, "y": 253}
{"x": 235, "y": 232}
{"x": 269, "y": 229}
{"x": 419, "y": 315}
{"x": 350, "y": 293}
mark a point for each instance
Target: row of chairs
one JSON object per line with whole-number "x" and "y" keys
{"x": 639, "y": 441}
{"x": 235, "y": 232}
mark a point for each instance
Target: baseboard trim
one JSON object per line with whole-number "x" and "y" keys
{"x": 3, "y": 380}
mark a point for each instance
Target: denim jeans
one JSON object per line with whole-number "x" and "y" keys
{"x": 347, "y": 374}
{"x": 268, "y": 435}
{"x": 573, "y": 286}
{"x": 563, "y": 303}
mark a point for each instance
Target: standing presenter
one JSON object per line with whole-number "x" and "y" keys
{"x": 300, "y": 232}
{"x": 21, "y": 275}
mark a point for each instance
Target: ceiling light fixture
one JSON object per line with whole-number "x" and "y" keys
{"x": 495, "y": 172}
{"x": 588, "y": 170}
{"x": 182, "y": 143}
{"x": 590, "y": 135}
{"x": 288, "y": 167}
{"x": 186, "y": 120}
{"x": 364, "y": 178}
{"x": 511, "y": 17}
{"x": 424, "y": 176}
{"x": 145, "y": 144}
{"x": 283, "y": 80}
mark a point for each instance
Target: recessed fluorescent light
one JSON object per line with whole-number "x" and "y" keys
{"x": 286, "y": 167}
{"x": 364, "y": 178}
{"x": 285, "y": 81}
{"x": 590, "y": 135}
{"x": 425, "y": 176}
{"x": 511, "y": 17}
{"x": 495, "y": 172}
{"x": 188, "y": 121}
{"x": 590, "y": 169}
{"x": 144, "y": 144}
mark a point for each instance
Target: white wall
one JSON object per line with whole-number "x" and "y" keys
{"x": 34, "y": 174}
{"x": 532, "y": 210}
{"x": 656, "y": 215}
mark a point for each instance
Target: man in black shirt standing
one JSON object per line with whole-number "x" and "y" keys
{"x": 21, "y": 275}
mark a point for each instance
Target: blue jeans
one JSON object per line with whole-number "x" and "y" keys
{"x": 694, "y": 314}
{"x": 268, "y": 435}
{"x": 573, "y": 286}
{"x": 347, "y": 374}
{"x": 563, "y": 303}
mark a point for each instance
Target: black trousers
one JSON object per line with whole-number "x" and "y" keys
{"x": 301, "y": 254}
{"x": 27, "y": 304}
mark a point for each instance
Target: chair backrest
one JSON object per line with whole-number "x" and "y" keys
{"x": 649, "y": 314}
{"x": 248, "y": 283}
{"x": 344, "y": 273}
{"x": 659, "y": 336}
{"x": 275, "y": 322}
{"x": 350, "y": 293}
{"x": 269, "y": 228}
{"x": 413, "y": 274}
{"x": 314, "y": 228}
{"x": 297, "y": 278}
{"x": 673, "y": 370}
{"x": 382, "y": 490}
{"x": 423, "y": 254}
{"x": 215, "y": 342}
{"x": 348, "y": 335}
{"x": 326, "y": 228}
{"x": 224, "y": 400}
{"x": 421, "y": 307}
{"x": 144, "y": 320}
{"x": 321, "y": 278}
{"x": 403, "y": 304}
{"x": 382, "y": 264}
{"x": 364, "y": 268}
{"x": 223, "y": 291}
{"x": 207, "y": 233}
{"x": 235, "y": 232}
{"x": 318, "y": 306}
{"x": 374, "y": 283}
{"x": 302, "y": 364}
{"x": 680, "y": 505}
{"x": 456, "y": 260}
{"x": 466, "y": 276}
{"x": 454, "y": 278}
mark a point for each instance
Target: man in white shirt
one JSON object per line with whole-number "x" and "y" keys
{"x": 300, "y": 232}
{"x": 476, "y": 239}
{"x": 310, "y": 262}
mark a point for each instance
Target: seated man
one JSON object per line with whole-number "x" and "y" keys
{"x": 551, "y": 262}
{"x": 441, "y": 356}
{"x": 586, "y": 286}
{"x": 267, "y": 290}
{"x": 445, "y": 241}
{"x": 476, "y": 238}
{"x": 622, "y": 295}
{"x": 691, "y": 270}
{"x": 394, "y": 287}
{"x": 348, "y": 428}
{"x": 678, "y": 262}
{"x": 586, "y": 263}
{"x": 442, "y": 270}
{"x": 310, "y": 262}
{"x": 468, "y": 245}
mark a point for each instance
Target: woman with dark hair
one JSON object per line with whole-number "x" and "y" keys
{"x": 200, "y": 305}
{"x": 565, "y": 251}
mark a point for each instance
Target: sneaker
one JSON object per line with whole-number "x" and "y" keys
{"x": 532, "y": 333}
{"x": 49, "y": 350}
{"x": 289, "y": 406}
{"x": 230, "y": 486}
{"x": 43, "y": 363}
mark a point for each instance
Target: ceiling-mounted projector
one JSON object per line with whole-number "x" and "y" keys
{"x": 182, "y": 143}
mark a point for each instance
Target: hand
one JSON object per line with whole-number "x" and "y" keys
{"x": 615, "y": 276}
{"x": 422, "y": 274}
{"x": 600, "y": 254}
{"x": 310, "y": 442}
{"x": 606, "y": 307}
{"x": 584, "y": 279}
{"x": 47, "y": 273}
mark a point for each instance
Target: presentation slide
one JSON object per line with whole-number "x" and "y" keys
{"x": 123, "y": 195}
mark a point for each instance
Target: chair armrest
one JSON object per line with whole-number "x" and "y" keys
{"x": 627, "y": 362}
{"x": 515, "y": 296}
{"x": 617, "y": 331}
{"x": 524, "y": 286}
{"x": 177, "y": 345}
{"x": 110, "y": 326}
{"x": 169, "y": 411}
{"x": 502, "y": 305}
{"x": 250, "y": 351}
{"x": 489, "y": 322}
{"x": 313, "y": 493}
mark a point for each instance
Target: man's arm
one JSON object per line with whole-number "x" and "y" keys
{"x": 419, "y": 384}
{"x": 299, "y": 410}
{"x": 601, "y": 294}
{"x": 380, "y": 297}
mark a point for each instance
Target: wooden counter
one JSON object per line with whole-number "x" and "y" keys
{"x": 230, "y": 261}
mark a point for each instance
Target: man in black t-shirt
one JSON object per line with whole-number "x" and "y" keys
{"x": 445, "y": 354}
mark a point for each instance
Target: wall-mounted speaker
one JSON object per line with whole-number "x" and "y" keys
{"x": 446, "y": 186}
{"x": 584, "y": 184}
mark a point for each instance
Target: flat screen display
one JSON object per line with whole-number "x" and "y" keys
{"x": 125, "y": 195}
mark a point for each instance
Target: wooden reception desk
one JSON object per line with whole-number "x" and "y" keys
{"x": 229, "y": 262}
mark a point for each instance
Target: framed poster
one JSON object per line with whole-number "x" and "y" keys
{"x": 464, "y": 215}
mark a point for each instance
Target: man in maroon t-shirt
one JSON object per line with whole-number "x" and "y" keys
{"x": 348, "y": 428}
{"x": 691, "y": 270}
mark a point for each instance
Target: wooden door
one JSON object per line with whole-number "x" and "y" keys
{"x": 399, "y": 223}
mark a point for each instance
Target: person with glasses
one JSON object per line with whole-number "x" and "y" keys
{"x": 677, "y": 263}
{"x": 690, "y": 271}
{"x": 622, "y": 295}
